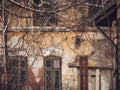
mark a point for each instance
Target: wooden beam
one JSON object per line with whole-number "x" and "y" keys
{"x": 83, "y": 62}
{"x": 92, "y": 67}
{"x": 54, "y": 29}
{"x": 97, "y": 79}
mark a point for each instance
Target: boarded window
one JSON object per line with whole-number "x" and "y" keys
{"x": 52, "y": 73}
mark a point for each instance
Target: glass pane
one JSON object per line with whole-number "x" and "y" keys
{"x": 57, "y": 80}
{"x": 56, "y": 63}
{"x": 23, "y": 63}
{"x": 48, "y": 63}
{"x": 48, "y": 80}
{"x": 13, "y": 64}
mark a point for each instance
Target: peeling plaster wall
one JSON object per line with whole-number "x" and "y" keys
{"x": 38, "y": 45}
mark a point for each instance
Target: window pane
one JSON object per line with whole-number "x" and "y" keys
{"x": 13, "y": 64}
{"x": 48, "y": 80}
{"x": 48, "y": 63}
{"x": 56, "y": 63}
{"x": 57, "y": 80}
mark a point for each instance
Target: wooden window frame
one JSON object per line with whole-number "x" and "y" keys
{"x": 53, "y": 70}
{"x": 19, "y": 70}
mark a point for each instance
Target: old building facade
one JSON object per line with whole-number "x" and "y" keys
{"x": 43, "y": 45}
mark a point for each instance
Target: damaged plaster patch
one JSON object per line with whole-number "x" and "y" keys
{"x": 93, "y": 36}
{"x": 86, "y": 48}
{"x": 69, "y": 78}
{"x": 52, "y": 51}
{"x": 15, "y": 41}
{"x": 36, "y": 64}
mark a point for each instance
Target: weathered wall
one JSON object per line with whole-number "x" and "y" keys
{"x": 68, "y": 15}
{"x": 37, "y": 45}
